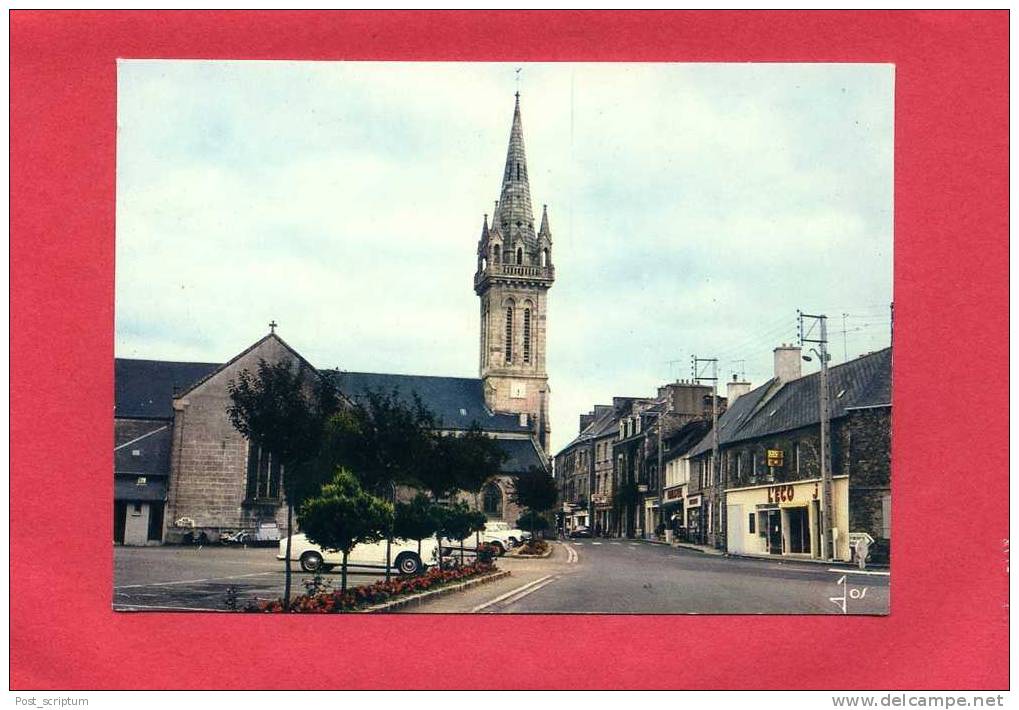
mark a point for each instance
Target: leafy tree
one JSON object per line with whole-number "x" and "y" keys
{"x": 533, "y": 521}
{"x": 416, "y": 520}
{"x": 458, "y": 521}
{"x": 343, "y": 515}
{"x": 458, "y": 462}
{"x": 282, "y": 408}
{"x": 535, "y": 489}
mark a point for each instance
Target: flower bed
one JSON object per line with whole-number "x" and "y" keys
{"x": 533, "y": 547}
{"x": 317, "y": 601}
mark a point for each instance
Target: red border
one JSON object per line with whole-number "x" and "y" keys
{"x": 948, "y": 628}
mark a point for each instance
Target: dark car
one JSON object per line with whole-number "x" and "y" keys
{"x": 580, "y": 532}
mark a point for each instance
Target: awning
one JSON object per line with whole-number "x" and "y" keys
{"x": 674, "y": 503}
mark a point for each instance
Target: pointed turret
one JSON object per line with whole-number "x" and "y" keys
{"x": 514, "y": 215}
{"x": 545, "y": 231}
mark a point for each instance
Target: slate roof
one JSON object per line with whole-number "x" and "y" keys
{"x": 456, "y": 401}
{"x": 685, "y": 438}
{"x": 128, "y": 489}
{"x": 144, "y": 388}
{"x": 599, "y": 426}
{"x": 770, "y": 409}
{"x": 522, "y": 455}
{"x": 152, "y": 444}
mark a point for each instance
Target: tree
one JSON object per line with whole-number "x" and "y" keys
{"x": 380, "y": 438}
{"x": 458, "y": 521}
{"x": 535, "y": 489}
{"x": 458, "y": 462}
{"x": 416, "y": 520}
{"x": 283, "y": 409}
{"x": 343, "y": 515}
{"x": 532, "y": 521}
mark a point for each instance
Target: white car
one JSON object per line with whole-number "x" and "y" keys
{"x": 515, "y": 535}
{"x": 363, "y": 557}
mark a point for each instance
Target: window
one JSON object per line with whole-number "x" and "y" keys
{"x": 496, "y": 254}
{"x": 739, "y": 466}
{"x": 796, "y": 457}
{"x": 509, "y": 334}
{"x": 492, "y": 499}
{"x": 264, "y": 474}
{"x": 527, "y": 335}
{"x": 544, "y": 257}
{"x": 751, "y": 524}
{"x": 520, "y": 255}
{"x": 886, "y": 517}
{"x": 141, "y": 481}
{"x": 136, "y": 452}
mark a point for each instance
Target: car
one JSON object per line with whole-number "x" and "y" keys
{"x": 515, "y": 535}
{"x": 580, "y": 531}
{"x": 365, "y": 557}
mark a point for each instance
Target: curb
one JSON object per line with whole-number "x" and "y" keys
{"x": 697, "y": 548}
{"x": 415, "y": 599}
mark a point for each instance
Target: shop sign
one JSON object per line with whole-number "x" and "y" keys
{"x": 673, "y": 493}
{"x": 781, "y": 494}
{"x": 776, "y": 457}
{"x": 693, "y": 501}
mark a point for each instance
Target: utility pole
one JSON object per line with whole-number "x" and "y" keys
{"x": 700, "y": 365}
{"x": 820, "y": 338}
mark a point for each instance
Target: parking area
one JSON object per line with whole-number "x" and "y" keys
{"x": 172, "y": 578}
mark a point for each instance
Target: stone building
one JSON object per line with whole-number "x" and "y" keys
{"x": 769, "y": 456}
{"x": 512, "y": 281}
{"x": 180, "y": 466}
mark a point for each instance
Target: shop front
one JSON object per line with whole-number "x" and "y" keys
{"x": 785, "y": 519}
{"x": 652, "y": 517}
{"x": 673, "y": 514}
{"x": 695, "y": 524}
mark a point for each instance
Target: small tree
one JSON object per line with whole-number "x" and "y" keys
{"x": 536, "y": 490}
{"x": 458, "y": 522}
{"x": 416, "y": 520}
{"x": 283, "y": 409}
{"x": 343, "y": 515}
{"x": 533, "y": 521}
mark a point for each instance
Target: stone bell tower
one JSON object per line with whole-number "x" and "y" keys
{"x": 514, "y": 275}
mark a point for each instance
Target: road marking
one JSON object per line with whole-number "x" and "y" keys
{"x": 571, "y": 555}
{"x": 595, "y": 543}
{"x": 576, "y": 543}
{"x": 193, "y": 581}
{"x": 523, "y": 594}
{"x": 510, "y": 593}
{"x": 128, "y": 607}
{"x": 859, "y": 571}
{"x": 615, "y": 543}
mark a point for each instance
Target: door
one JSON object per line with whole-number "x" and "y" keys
{"x": 775, "y": 532}
{"x": 155, "y": 522}
{"x": 119, "y": 519}
{"x": 734, "y": 529}
{"x": 798, "y": 529}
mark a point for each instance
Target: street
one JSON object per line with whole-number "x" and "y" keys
{"x": 634, "y": 577}
{"x": 583, "y": 576}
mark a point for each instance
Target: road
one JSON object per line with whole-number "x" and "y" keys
{"x": 584, "y": 576}
{"x": 632, "y": 577}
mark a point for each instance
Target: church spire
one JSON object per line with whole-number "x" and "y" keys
{"x": 514, "y": 216}
{"x": 544, "y": 231}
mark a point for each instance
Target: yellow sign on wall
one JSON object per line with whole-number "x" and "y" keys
{"x": 776, "y": 457}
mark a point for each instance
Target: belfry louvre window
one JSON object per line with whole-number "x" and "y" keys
{"x": 265, "y": 474}
{"x": 509, "y": 335}
{"x": 527, "y": 335}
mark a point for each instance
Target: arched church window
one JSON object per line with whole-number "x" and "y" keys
{"x": 509, "y": 334}
{"x": 527, "y": 335}
{"x": 520, "y": 255}
{"x": 544, "y": 257}
{"x": 484, "y": 263}
{"x": 491, "y": 499}
{"x": 496, "y": 254}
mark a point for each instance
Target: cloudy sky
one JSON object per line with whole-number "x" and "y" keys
{"x": 694, "y": 208}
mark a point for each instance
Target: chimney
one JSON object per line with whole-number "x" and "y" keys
{"x": 787, "y": 362}
{"x": 585, "y": 420}
{"x": 735, "y": 389}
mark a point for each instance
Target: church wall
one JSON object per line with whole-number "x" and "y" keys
{"x": 208, "y": 480}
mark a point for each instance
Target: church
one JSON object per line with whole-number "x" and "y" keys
{"x": 180, "y": 468}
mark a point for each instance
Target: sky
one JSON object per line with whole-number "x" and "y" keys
{"x": 694, "y": 208}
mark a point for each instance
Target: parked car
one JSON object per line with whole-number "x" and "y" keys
{"x": 580, "y": 531}
{"x": 515, "y": 535}
{"x": 362, "y": 558}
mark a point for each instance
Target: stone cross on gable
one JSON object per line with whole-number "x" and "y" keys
{"x": 272, "y": 326}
